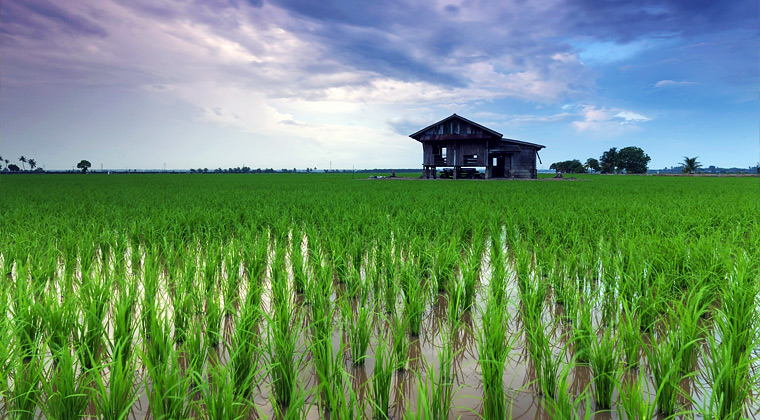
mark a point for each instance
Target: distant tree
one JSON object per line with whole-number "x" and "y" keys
{"x": 690, "y": 165}
{"x": 32, "y": 163}
{"x": 6, "y": 163}
{"x": 84, "y": 165}
{"x": 1, "y": 162}
{"x": 13, "y": 167}
{"x": 592, "y": 164}
{"x": 632, "y": 160}
{"x": 608, "y": 162}
{"x": 568, "y": 166}
{"x": 22, "y": 159}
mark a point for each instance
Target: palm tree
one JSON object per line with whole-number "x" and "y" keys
{"x": 23, "y": 161}
{"x": 690, "y": 164}
{"x": 32, "y": 163}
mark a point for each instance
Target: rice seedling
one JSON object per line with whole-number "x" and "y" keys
{"x": 663, "y": 357}
{"x": 566, "y": 406}
{"x": 400, "y": 341}
{"x": 168, "y": 387}
{"x": 27, "y": 388}
{"x": 381, "y": 382}
{"x": 583, "y": 335}
{"x": 732, "y": 360}
{"x": 196, "y": 350}
{"x": 358, "y": 328}
{"x": 282, "y": 344}
{"x": 297, "y": 262}
{"x": 635, "y": 400}
{"x": 68, "y": 391}
{"x": 26, "y": 314}
{"x": 93, "y": 307}
{"x": 605, "y": 366}
{"x": 416, "y": 299}
{"x": 116, "y": 394}
{"x": 444, "y": 266}
{"x": 469, "y": 267}
{"x": 244, "y": 353}
{"x": 438, "y": 388}
{"x": 221, "y": 397}
{"x": 494, "y": 346}
{"x": 630, "y": 338}
{"x": 213, "y": 318}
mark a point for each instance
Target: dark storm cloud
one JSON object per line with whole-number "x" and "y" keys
{"x": 523, "y": 30}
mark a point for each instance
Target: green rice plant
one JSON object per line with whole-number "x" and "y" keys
{"x": 6, "y": 347}
{"x": 630, "y": 336}
{"x": 213, "y": 318}
{"x": 469, "y": 267}
{"x": 532, "y": 297}
{"x": 498, "y": 283}
{"x": 689, "y": 333}
{"x": 566, "y": 405}
{"x": 116, "y": 393}
{"x": 635, "y": 400}
{"x": 416, "y": 299}
{"x": 244, "y": 353}
{"x": 444, "y": 266}
{"x": 299, "y": 406}
{"x": 523, "y": 262}
{"x": 221, "y": 399}
{"x": 168, "y": 387}
{"x": 548, "y": 366}
{"x": 231, "y": 286}
{"x": 93, "y": 305}
{"x": 605, "y": 366}
{"x": 663, "y": 356}
{"x": 282, "y": 344}
{"x": 391, "y": 289}
{"x": 494, "y": 346}
{"x": 438, "y": 388}
{"x": 26, "y": 315}
{"x": 196, "y": 350}
{"x": 400, "y": 341}
{"x": 381, "y": 382}
{"x": 68, "y": 391}
{"x": 297, "y": 262}
{"x": 583, "y": 335}
{"x": 60, "y": 321}
{"x": 328, "y": 366}
{"x": 27, "y": 388}
{"x": 357, "y": 327}
{"x": 730, "y": 362}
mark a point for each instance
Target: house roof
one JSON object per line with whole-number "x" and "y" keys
{"x": 418, "y": 135}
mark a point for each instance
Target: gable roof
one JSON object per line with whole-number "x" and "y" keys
{"x": 459, "y": 117}
{"x": 418, "y": 135}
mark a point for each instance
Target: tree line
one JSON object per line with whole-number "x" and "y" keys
{"x": 630, "y": 160}
{"x": 5, "y": 165}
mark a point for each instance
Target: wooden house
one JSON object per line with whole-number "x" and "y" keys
{"x": 458, "y": 143}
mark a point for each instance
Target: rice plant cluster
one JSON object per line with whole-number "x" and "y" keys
{"x": 319, "y": 296}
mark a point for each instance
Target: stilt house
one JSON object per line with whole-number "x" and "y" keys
{"x": 457, "y": 144}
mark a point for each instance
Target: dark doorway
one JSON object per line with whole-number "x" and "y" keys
{"x": 498, "y": 167}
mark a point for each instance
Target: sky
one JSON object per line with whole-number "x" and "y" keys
{"x": 148, "y": 84}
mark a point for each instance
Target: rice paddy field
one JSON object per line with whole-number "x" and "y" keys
{"x": 317, "y": 296}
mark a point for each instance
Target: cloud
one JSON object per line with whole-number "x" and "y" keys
{"x": 673, "y": 83}
{"x": 611, "y": 121}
